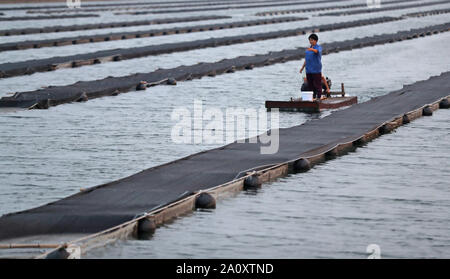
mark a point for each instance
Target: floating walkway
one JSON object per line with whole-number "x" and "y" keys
{"x": 372, "y": 10}
{"x": 69, "y": 28}
{"x": 137, "y": 204}
{"x": 54, "y": 63}
{"x": 140, "y": 34}
{"x": 111, "y": 86}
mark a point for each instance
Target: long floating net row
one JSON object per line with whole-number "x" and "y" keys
{"x": 111, "y": 86}
{"x": 54, "y": 63}
{"x": 68, "y": 28}
{"x": 140, "y": 34}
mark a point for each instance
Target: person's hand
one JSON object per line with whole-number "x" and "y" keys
{"x": 301, "y": 70}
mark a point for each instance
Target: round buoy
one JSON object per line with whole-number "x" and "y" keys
{"x": 171, "y": 81}
{"x": 251, "y": 182}
{"x": 58, "y": 254}
{"x": 145, "y": 228}
{"x": 83, "y": 97}
{"x": 231, "y": 70}
{"x": 302, "y": 165}
{"x": 44, "y": 104}
{"x": 359, "y": 142}
{"x": 249, "y": 67}
{"x": 205, "y": 201}
{"x": 384, "y": 129}
{"x": 141, "y": 86}
{"x": 332, "y": 153}
{"x": 427, "y": 111}
{"x": 444, "y": 104}
{"x": 405, "y": 119}
{"x": 29, "y": 71}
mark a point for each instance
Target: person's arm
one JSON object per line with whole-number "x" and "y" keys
{"x": 301, "y": 69}
{"x": 316, "y": 50}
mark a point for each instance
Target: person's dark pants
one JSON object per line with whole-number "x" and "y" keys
{"x": 315, "y": 84}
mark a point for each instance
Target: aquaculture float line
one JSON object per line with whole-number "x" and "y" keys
{"x": 160, "y": 6}
{"x": 87, "y": 5}
{"x": 137, "y": 205}
{"x": 428, "y": 13}
{"x": 16, "y": 18}
{"x": 68, "y": 28}
{"x": 228, "y": 8}
{"x": 111, "y": 86}
{"x": 377, "y": 10}
{"x": 327, "y": 8}
{"x": 141, "y": 34}
{"x": 54, "y": 63}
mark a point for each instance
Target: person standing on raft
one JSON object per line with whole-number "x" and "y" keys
{"x": 313, "y": 63}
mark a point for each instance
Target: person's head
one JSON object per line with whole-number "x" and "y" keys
{"x": 313, "y": 38}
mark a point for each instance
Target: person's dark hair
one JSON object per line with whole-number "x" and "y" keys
{"x": 314, "y": 37}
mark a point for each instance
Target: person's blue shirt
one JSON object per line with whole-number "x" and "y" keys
{"x": 314, "y": 60}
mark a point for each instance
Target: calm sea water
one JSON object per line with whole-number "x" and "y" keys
{"x": 393, "y": 192}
